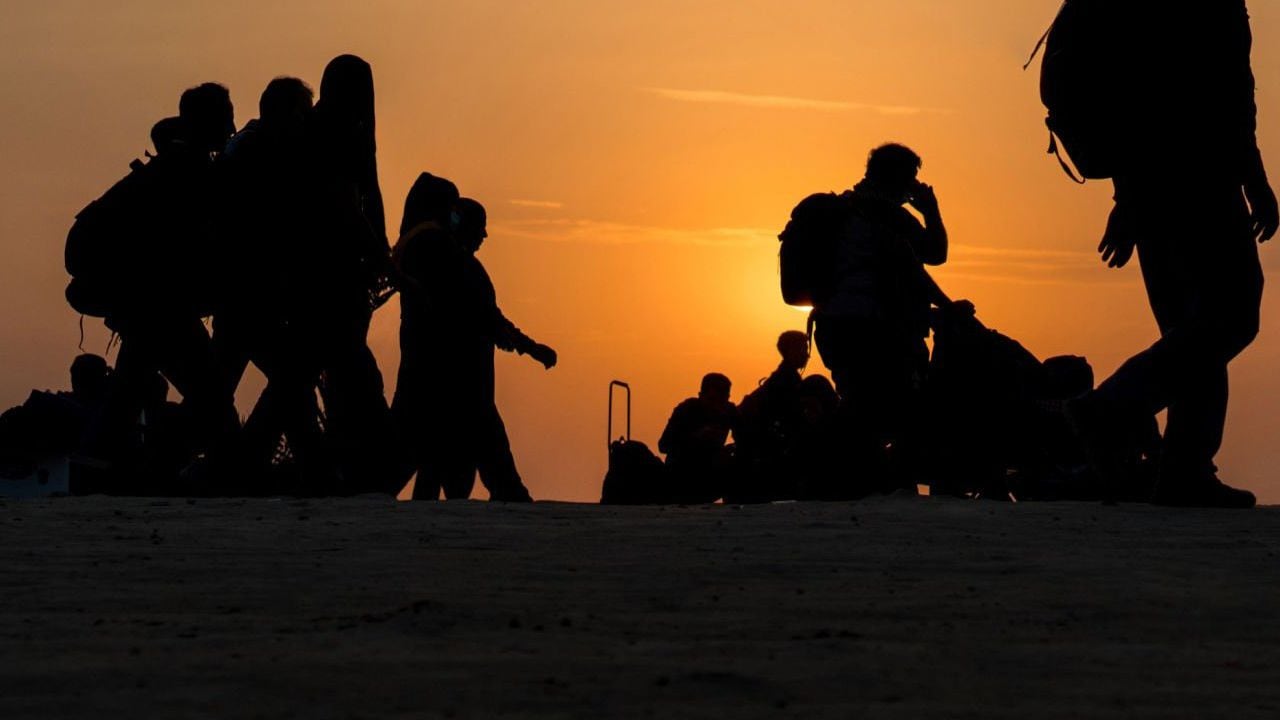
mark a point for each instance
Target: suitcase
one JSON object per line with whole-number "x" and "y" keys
{"x": 636, "y": 475}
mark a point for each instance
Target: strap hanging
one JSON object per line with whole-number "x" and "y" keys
{"x": 1055, "y": 151}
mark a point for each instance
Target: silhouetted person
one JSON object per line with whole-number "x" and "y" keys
{"x": 266, "y": 194}
{"x": 793, "y": 347}
{"x": 50, "y": 424}
{"x": 770, "y": 424}
{"x": 168, "y": 286}
{"x": 694, "y": 442}
{"x": 347, "y": 276}
{"x": 343, "y": 127}
{"x": 871, "y": 330}
{"x": 450, "y": 327}
{"x": 1192, "y": 197}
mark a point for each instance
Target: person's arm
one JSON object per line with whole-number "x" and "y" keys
{"x": 931, "y": 245}
{"x": 673, "y": 434}
{"x": 1238, "y": 39}
{"x": 508, "y": 337}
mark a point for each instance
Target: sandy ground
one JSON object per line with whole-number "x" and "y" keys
{"x": 901, "y": 608}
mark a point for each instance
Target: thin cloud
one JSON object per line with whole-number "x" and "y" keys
{"x": 721, "y": 97}
{"x": 541, "y": 204}
{"x": 1019, "y": 266}
{"x": 1029, "y": 266}
{"x": 610, "y": 233}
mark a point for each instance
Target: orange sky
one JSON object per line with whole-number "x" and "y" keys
{"x": 637, "y": 161}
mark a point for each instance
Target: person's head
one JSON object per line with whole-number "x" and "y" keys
{"x": 892, "y": 169}
{"x": 169, "y": 135}
{"x": 209, "y": 116}
{"x": 346, "y": 91}
{"x": 471, "y": 228}
{"x": 793, "y": 346}
{"x": 431, "y": 199}
{"x": 715, "y": 388}
{"x": 822, "y": 395}
{"x": 90, "y": 375}
{"x": 285, "y": 102}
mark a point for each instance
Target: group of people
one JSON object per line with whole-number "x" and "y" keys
{"x": 277, "y": 231}
{"x": 1176, "y": 134}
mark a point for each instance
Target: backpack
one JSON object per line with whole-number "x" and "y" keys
{"x": 98, "y": 249}
{"x": 1084, "y": 89}
{"x": 806, "y": 258}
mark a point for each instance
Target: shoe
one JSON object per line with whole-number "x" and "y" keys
{"x": 1210, "y": 493}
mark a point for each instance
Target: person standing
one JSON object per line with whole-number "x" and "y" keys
{"x": 871, "y": 330}
{"x": 450, "y": 328}
{"x": 1192, "y": 198}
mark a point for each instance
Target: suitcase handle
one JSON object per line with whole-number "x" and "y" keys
{"x": 624, "y": 386}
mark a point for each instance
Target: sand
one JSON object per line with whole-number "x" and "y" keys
{"x": 894, "y": 608}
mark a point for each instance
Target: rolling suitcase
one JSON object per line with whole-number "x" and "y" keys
{"x": 636, "y": 475}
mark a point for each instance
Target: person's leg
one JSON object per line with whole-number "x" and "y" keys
{"x": 1204, "y": 283}
{"x": 496, "y": 463}
{"x": 853, "y": 350}
{"x": 357, "y": 415}
{"x": 112, "y": 441}
{"x": 184, "y": 354}
{"x": 447, "y": 464}
{"x": 232, "y": 339}
{"x": 903, "y": 408}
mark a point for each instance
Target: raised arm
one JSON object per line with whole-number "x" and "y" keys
{"x": 931, "y": 245}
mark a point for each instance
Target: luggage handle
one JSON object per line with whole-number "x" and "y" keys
{"x": 624, "y": 386}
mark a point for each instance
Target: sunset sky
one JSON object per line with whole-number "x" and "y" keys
{"x": 637, "y": 161}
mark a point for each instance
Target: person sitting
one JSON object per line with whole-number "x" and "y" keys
{"x": 771, "y": 420}
{"x": 694, "y": 442}
{"x": 49, "y": 424}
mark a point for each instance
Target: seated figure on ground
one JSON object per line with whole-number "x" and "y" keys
{"x": 774, "y": 430}
{"x": 993, "y": 426}
{"x": 49, "y": 424}
{"x": 694, "y": 442}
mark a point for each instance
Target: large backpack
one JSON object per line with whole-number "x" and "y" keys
{"x": 102, "y": 242}
{"x": 806, "y": 258}
{"x": 1085, "y": 85}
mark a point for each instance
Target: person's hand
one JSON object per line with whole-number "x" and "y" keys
{"x": 1263, "y": 211}
{"x": 924, "y": 200}
{"x": 1119, "y": 239}
{"x": 544, "y": 354}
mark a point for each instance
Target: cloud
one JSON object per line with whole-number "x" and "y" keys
{"x": 720, "y": 97}
{"x": 1029, "y": 266}
{"x": 1019, "y": 266}
{"x": 610, "y": 233}
{"x": 541, "y": 204}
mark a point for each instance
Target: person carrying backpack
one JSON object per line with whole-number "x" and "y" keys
{"x": 871, "y": 325}
{"x": 1159, "y": 97}
{"x": 152, "y": 235}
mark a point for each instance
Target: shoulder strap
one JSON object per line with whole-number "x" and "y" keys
{"x": 1043, "y": 38}
{"x": 1056, "y": 151}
